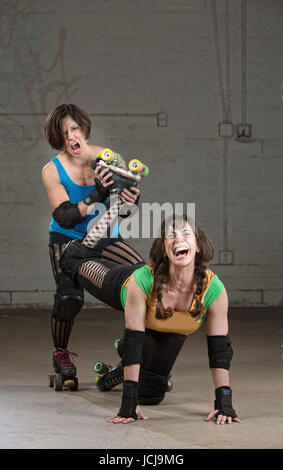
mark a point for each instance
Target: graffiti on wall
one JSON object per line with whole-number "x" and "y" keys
{"x": 33, "y": 78}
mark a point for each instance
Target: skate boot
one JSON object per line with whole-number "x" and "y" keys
{"x": 108, "y": 377}
{"x": 65, "y": 370}
{"x": 123, "y": 179}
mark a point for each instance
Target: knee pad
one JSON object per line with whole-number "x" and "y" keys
{"x": 220, "y": 351}
{"x": 152, "y": 387}
{"x": 68, "y": 300}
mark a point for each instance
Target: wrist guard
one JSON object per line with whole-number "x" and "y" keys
{"x": 98, "y": 194}
{"x": 223, "y": 402}
{"x": 129, "y": 400}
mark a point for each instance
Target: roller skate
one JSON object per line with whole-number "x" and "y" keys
{"x": 123, "y": 179}
{"x": 108, "y": 156}
{"x": 108, "y": 377}
{"x": 65, "y": 371}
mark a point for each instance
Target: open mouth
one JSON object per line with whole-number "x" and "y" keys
{"x": 76, "y": 147}
{"x": 181, "y": 252}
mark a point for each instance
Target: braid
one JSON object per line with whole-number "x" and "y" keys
{"x": 200, "y": 270}
{"x": 159, "y": 279}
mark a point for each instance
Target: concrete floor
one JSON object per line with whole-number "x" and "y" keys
{"x": 34, "y": 416}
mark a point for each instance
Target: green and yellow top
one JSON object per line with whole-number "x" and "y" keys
{"x": 180, "y": 322}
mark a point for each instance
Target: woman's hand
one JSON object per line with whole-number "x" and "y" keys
{"x": 221, "y": 419}
{"x": 119, "y": 419}
{"x": 103, "y": 176}
{"x": 128, "y": 197}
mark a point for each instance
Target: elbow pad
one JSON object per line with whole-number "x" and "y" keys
{"x": 67, "y": 215}
{"x": 130, "y": 347}
{"x": 220, "y": 352}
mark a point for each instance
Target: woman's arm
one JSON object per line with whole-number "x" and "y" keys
{"x": 217, "y": 325}
{"x": 220, "y": 352}
{"x": 135, "y": 312}
{"x": 66, "y": 214}
{"x": 55, "y": 190}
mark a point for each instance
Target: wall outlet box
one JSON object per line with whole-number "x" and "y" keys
{"x": 244, "y": 130}
{"x": 225, "y": 257}
{"x": 225, "y": 129}
{"x": 162, "y": 119}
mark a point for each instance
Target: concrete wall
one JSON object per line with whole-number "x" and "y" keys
{"x": 125, "y": 61}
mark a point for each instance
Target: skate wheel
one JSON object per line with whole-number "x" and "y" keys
{"x": 51, "y": 378}
{"x": 144, "y": 171}
{"x": 107, "y": 155}
{"x": 116, "y": 343}
{"x": 136, "y": 166}
{"x": 68, "y": 383}
{"x": 117, "y": 159}
{"x": 58, "y": 384}
{"x": 100, "y": 367}
{"x": 75, "y": 385}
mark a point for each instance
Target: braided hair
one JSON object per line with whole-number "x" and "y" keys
{"x": 160, "y": 264}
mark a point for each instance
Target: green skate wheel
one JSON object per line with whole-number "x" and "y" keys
{"x": 116, "y": 343}
{"x": 117, "y": 159}
{"x": 100, "y": 367}
{"x": 144, "y": 171}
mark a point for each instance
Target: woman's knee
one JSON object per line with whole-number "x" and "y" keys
{"x": 152, "y": 387}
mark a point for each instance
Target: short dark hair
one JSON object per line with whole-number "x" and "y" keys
{"x": 53, "y": 123}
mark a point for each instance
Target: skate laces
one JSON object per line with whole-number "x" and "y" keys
{"x": 63, "y": 358}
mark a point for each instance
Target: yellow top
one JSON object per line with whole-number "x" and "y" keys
{"x": 179, "y": 322}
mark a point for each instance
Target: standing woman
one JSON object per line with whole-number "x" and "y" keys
{"x": 164, "y": 302}
{"x": 71, "y": 185}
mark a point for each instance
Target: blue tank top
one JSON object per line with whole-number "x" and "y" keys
{"x": 76, "y": 193}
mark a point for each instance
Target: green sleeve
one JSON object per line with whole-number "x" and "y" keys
{"x": 214, "y": 290}
{"x": 143, "y": 278}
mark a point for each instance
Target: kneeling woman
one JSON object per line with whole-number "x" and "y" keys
{"x": 164, "y": 301}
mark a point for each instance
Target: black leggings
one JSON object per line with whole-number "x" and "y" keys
{"x": 103, "y": 279}
{"x": 103, "y": 275}
{"x": 160, "y": 351}
{"x": 115, "y": 252}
